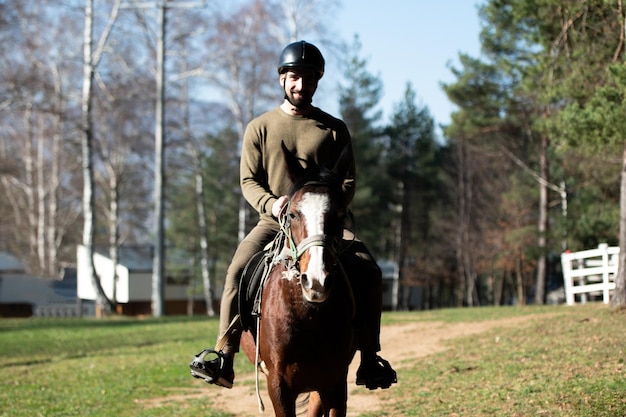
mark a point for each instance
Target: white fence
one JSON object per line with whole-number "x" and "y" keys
{"x": 590, "y": 272}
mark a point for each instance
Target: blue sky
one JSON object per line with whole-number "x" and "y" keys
{"x": 412, "y": 41}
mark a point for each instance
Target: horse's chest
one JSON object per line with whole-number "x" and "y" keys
{"x": 302, "y": 324}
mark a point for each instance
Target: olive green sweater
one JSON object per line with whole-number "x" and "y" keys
{"x": 318, "y": 137}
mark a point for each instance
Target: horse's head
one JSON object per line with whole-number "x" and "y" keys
{"x": 315, "y": 215}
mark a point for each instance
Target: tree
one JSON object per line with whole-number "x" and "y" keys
{"x": 577, "y": 45}
{"x": 518, "y": 38}
{"x": 208, "y": 233}
{"x": 600, "y": 114}
{"x": 358, "y": 102}
{"x": 121, "y": 148}
{"x": 90, "y": 63}
{"x": 551, "y": 59}
{"x": 477, "y": 135}
{"x": 600, "y": 123}
{"x": 195, "y": 153}
{"x": 38, "y": 209}
{"x": 412, "y": 164}
{"x": 511, "y": 42}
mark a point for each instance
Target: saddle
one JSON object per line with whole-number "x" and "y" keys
{"x": 250, "y": 288}
{"x": 252, "y": 281}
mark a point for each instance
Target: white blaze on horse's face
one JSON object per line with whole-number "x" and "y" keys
{"x": 314, "y": 208}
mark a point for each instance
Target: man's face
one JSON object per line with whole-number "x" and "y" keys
{"x": 300, "y": 85}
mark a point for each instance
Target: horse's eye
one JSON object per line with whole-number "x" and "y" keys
{"x": 293, "y": 216}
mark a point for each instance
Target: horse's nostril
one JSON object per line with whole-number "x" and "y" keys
{"x": 328, "y": 282}
{"x": 304, "y": 281}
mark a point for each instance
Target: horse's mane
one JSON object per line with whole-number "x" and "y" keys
{"x": 319, "y": 175}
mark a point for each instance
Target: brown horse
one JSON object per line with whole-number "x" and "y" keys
{"x": 306, "y": 338}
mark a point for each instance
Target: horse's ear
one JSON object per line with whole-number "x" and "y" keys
{"x": 294, "y": 169}
{"x": 344, "y": 162}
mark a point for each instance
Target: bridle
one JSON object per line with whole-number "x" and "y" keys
{"x": 296, "y": 251}
{"x": 332, "y": 244}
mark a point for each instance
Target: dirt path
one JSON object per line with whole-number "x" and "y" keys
{"x": 401, "y": 345}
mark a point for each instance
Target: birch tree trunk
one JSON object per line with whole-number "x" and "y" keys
{"x": 204, "y": 243}
{"x": 29, "y": 178}
{"x": 158, "y": 284}
{"x": 619, "y": 296}
{"x": 90, "y": 62}
{"x": 114, "y": 230}
{"x": 41, "y": 203}
{"x": 543, "y": 222}
{"x": 87, "y": 155}
{"x": 52, "y": 238}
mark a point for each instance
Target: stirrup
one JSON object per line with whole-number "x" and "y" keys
{"x": 379, "y": 374}
{"x": 211, "y": 371}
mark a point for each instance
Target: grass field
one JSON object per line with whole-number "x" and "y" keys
{"x": 566, "y": 361}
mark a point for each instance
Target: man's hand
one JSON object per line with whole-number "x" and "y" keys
{"x": 278, "y": 205}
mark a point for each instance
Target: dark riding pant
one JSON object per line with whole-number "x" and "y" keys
{"x": 366, "y": 279}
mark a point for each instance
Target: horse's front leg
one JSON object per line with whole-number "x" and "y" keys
{"x": 335, "y": 400}
{"x": 315, "y": 408}
{"x": 282, "y": 397}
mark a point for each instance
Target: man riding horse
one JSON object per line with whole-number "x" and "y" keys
{"x": 315, "y": 137}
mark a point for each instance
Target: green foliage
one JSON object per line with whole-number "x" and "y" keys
{"x": 219, "y": 168}
{"x": 479, "y": 93}
{"x": 495, "y": 200}
{"x": 551, "y": 75}
{"x": 412, "y": 147}
{"x": 413, "y": 161}
{"x": 600, "y": 121}
{"x": 358, "y": 101}
{"x": 593, "y": 215}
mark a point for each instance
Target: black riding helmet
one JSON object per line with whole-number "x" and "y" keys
{"x": 301, "y": 54}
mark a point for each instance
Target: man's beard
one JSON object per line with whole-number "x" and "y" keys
{"x": 300, "y": 103}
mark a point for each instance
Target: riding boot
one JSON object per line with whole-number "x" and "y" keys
{"x": 218, "y": 370}
{"x": 374, "y": 372}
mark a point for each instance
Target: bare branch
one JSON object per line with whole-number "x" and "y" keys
{"x": 105, "y": 34}
{"x": 622, "y": 33}
{"x": 564, "y": 31}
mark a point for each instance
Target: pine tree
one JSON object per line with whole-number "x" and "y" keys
{"x": 358, "y": 103}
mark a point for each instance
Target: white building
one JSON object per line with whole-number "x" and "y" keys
{"x": 24, "y": 295}
{"x": 132, "y": 287}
